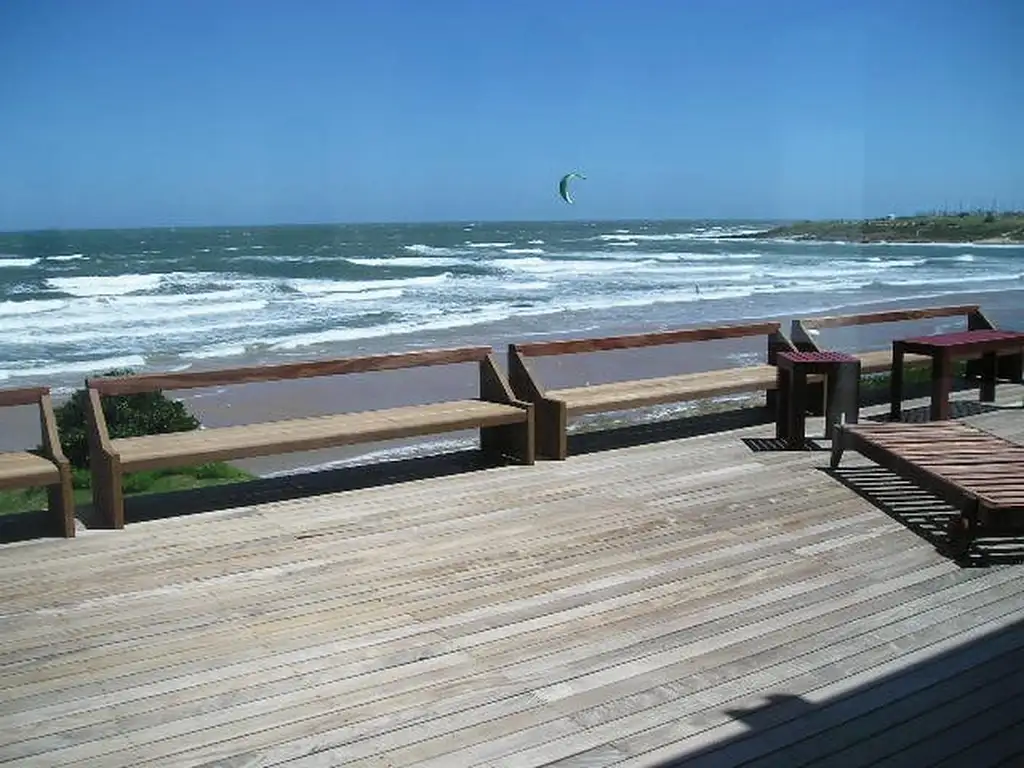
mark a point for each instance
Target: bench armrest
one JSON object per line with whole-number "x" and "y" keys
{"x": 494, "y": 387}
{"x": 96, "y": 424}
{"x": 522, "y": 378}
{"x": 48, "y": 427}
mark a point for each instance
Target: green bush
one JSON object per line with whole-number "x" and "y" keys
{"x": 146, "y": 413}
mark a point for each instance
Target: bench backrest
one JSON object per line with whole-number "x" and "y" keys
{"x": 1009, "y": 366}
{"x": 801, "y": 329}
{"x": 22, "y": 396}
{"x": 889, "y": 316}
{"x": 126, "y": 385}
{"x": 634, "y": 341}
{"x": 39, "y": 396}
{"x": 494, "y": 386}
{"x": 525, "y": 382}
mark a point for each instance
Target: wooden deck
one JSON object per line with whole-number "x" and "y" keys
{"x": 695, "y": 602}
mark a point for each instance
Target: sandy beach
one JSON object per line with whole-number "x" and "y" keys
{"x": 281, "y": 400}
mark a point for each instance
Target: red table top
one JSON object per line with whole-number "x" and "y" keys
{"x": 966, "y": 337}
{"x": 818, "y": 357}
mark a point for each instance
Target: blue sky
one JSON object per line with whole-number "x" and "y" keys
{"x": 173, "y": 112}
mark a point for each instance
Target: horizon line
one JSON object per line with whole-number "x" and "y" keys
{"x": 464, "y": 222}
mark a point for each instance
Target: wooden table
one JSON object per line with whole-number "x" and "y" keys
{"x": 842, "y": 391}
{"x": 944, "y": 348}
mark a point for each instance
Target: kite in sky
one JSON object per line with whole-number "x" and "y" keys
{"x": 563, "y": 185}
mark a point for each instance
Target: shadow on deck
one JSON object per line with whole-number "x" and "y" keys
{"x": 923, "y": 513}
{"x": 306, "y": 484}
{"x": 156, "y": 506}
{"x": 960, "y": 707}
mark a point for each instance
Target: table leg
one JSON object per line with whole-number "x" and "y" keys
{"x": 896, "y": 383}
{"x": 796, "y": 416}
{"x": 942, "y": 385}
{"x": 783, "y": 378}
{"x": 987, "y": 388}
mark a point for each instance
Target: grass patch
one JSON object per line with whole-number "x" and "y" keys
{"x": 135, "y": 484}
{"x": 914, "y": 377}
{"x": 146, "y": 413}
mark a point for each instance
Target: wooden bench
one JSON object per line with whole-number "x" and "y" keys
{"x": 49, "y": 467}
{"x": 505, "y": 423}
{"x": 555, "y": 407}
{"x": 804, "y": 333}
{"x": 880, "y": 360}
{"x": 977, "y": 472}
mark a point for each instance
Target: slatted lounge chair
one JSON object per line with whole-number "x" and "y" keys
{"x": 980, "y": 474}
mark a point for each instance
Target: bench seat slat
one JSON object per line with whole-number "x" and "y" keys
{"x": 666, "y": 389}
{"x": 880, "y": 360}
{"x": 312, "y": 433}
{"x": 20, "y": 469}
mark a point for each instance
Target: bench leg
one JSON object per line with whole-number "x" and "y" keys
{"x": 961, "y": 532}
{"x": 61, "y": 498}
{"x": 107, "y": 496}
{"x": 784, "y": 392}
{"x": 551, "y": 429}
{"x": 843, "y": 402}
{"x": 838, "y": 445}
{"x": 942, "y": 385}
{"x": 515, "y": 441}
{"x": 987, "y": 388}
{"x": 896, "y": 384}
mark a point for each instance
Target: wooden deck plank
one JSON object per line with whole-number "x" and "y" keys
{"x": 566, "y": 615}
{"x": 418, "y": 747}
{"x": 1004, "y": 749}
{"x": 589, "y": 605}
{"x": 597, "y": 730}
{"x": 662, "y": 686}
{"x": 701, "y": 543}
{"x": 880, "y": 710}
{"x": 302, "y": 748}
{"x": 683, "y": 736}
{"x": 604, "y": 610}
{"x": 932, "y": 723}
{"x": 972, "y": 719}
{"x": 704, "y": 542}
{"x": 813, "y": 737}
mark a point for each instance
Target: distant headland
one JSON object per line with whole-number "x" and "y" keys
{"x": 974, "y": 227}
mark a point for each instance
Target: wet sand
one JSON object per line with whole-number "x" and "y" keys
{"x": 251, "y": 403}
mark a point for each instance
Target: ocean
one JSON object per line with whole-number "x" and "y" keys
{"x": 74, "y": 303}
